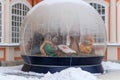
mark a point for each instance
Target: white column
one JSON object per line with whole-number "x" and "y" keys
{"x": 112, "y": 21}
{"x": 9, "y": 50}
{"x": 119, "y": 23}
{"x": 7, "y": 21}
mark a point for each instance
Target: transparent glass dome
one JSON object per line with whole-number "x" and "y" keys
{"x": 63, "y": 28}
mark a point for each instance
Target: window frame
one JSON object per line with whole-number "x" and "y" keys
{"x": 17, "y": 20}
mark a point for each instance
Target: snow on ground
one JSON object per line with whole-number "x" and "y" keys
{"x": 110, "y": 66}
{"x": 70, "y": 74}
{"x": 15, "y": 73}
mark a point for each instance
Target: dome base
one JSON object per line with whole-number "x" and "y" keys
{"x": 55, "y": 64}
{"x": 53, "y": 69}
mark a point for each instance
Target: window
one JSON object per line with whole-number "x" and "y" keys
{"x": 102, "y": 11}
{"x": 19, "y": 11}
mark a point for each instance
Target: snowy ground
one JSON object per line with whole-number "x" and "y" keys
{"x": 112, "y": 72}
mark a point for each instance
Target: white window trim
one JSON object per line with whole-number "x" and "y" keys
{"x": 13, "y": 3}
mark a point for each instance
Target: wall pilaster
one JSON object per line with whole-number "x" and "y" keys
{"x": 7, "y": 22}
{"x": 112, "y": 21}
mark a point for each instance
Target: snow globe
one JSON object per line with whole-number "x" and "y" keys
{"x": 57, "y": 34}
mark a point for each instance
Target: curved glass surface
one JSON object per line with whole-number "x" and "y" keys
{"x": 68, "y": 28}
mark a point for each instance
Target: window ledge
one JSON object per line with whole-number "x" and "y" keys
{"x": 17, "y": 44}
{"x": 113, "y": 44}
{"x": 9, "y": 44}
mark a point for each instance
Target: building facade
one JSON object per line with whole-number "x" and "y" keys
{"x": 12, "y": 13}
